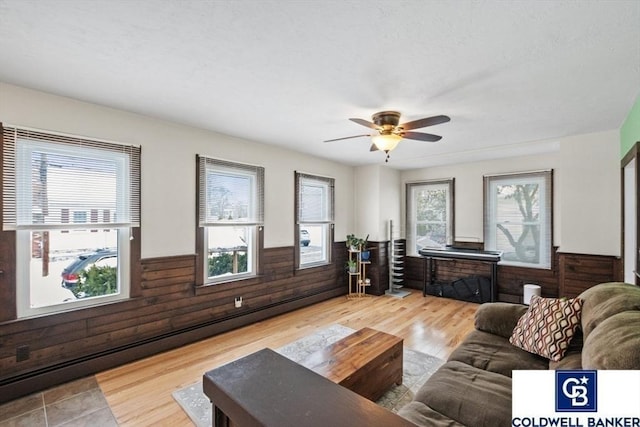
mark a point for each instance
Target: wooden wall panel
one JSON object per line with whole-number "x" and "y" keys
{"x": 580, "y": 272}
{"x": 7, "y": 274}
{"x": 168, "y": 303}
{"x": 378, "y": 270}
{"x": 414, "y": 272}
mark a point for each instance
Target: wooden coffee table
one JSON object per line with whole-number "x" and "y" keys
{"x": 367, "y": 362}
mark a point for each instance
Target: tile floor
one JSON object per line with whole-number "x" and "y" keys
{"x": 78, "y": 403}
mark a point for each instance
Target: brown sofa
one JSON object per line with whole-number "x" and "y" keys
{"x": 473, "y": 388}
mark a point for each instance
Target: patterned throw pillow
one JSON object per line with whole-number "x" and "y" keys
{"x": 546, "y": 329}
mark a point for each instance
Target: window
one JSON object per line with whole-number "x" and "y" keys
{"x": 51, "y": 185}
{"x": 517, "y": 218}
{"x": 429, "y": 215}
{"x": 314, "y": 220}
{"x": 230, "y": 201}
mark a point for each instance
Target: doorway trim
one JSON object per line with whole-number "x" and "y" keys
{"x": 631, "y": 156}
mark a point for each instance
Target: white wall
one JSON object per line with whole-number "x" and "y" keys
{"x": 591, "y": 199}
{"x": 586, "y": 192}
{"x": 377, "y": 201}
{"x": 367, "y": 202}
{"x": 390, "y": 202}
{"x": 169, "y": 171}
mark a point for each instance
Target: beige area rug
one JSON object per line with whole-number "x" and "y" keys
{"x": 417, "y": 368}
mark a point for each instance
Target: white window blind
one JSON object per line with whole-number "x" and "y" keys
{"x": 315, "y": 199}
{"x": 230, "y": 193}
{"x": 518, "y": 217}
{"x": 61, "y": 181}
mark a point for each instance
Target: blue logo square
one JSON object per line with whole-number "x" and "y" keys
{"x": 576, "y": 391}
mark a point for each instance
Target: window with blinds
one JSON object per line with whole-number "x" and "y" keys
{"x": 231, "y": 211}
{"x": 429, "y": 214}
{"x": 518, "y": 218}
{"x": 314, "y": 219}
{"x": 72, "y": 202}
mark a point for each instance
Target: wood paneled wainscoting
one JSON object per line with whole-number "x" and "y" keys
{"x": 579, "y": 272}
{"x": 570, "y": 274}
{"x": 167, "y": 311}
{"x": 378, "y": 270}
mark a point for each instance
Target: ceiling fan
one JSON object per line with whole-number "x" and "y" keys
{"x": 390, "y": 132}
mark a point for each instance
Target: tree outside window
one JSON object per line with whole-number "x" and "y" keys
{"x": 429, "y": 215}
{"x": 518, "y": 218}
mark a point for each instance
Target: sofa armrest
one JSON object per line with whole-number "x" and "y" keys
{"x": 499, "y": 318}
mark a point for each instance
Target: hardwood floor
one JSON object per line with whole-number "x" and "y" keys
{"x": 139, "y": 393}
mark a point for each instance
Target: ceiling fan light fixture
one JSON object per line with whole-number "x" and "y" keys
{"x": 386, "y": 143}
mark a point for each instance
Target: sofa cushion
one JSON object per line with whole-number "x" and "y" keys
{"x": 614, "y": 344}
{"x": 494, "y": 353}
{"x": 499, "y": 318}
{"x": 605, "y": 300}
{"x": 422, "y": 415}
{"x": 468, "y": 395}
{"x": 546, "y": 329}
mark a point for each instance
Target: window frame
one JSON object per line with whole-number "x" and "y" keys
{"x": 203, "y": 222}
{"x": 544, "y": 179}
{"x": 327, "y": 222}
{"x": 411, "y": 221}
{"x": 19, "y": 143}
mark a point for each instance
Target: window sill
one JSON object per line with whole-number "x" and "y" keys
{"x": 523, "y": 265}
{"x": 64, "y": 311}
{"x": 311, "y": 267}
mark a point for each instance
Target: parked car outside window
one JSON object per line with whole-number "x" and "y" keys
{"x": 72, "y": 274}
{"x": 304, "y": 238}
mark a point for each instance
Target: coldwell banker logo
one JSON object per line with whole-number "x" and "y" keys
{"x": 576, "y": 391}
{"x": 606, "y": 398}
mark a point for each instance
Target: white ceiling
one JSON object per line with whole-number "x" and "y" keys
{"x": 513, "y": 75}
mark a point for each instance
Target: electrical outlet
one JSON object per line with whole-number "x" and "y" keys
{"x": 238, "y": 302}
{"x": 22, "y": 353}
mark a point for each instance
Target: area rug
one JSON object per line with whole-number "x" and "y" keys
{"x": 417, "y": 368}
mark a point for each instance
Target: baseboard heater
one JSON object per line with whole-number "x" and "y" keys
{"x": 42, "y": 378}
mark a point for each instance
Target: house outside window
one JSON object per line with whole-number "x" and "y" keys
{"x": 518, "y": 218}
{"x": 231, "y": 214}
{"x": 62, "y": 262}
{"x": 430, "y": 222}
{"x": 314, "y": 219}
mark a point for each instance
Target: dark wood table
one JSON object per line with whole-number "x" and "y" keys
{"x": 367, "y": 362}
{"x": 267, "y": 389}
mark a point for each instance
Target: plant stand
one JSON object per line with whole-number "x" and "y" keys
{"x": 357, "y": 279}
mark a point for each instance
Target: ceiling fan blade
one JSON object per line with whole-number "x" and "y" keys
{"x": 346, "y": 137}
{"x": 421, "y": 136}
{"x": 373, "y": 147}
{"x": 365, "y": 123}
{"x": 423, "y": 123}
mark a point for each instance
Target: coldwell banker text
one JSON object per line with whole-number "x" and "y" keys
{"x": 576, "y": 422}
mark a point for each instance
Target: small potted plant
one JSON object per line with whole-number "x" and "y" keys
{"x": 353, "y": 243}
{"x": 352, "y": 266}
{"x": 364, "y": 255}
